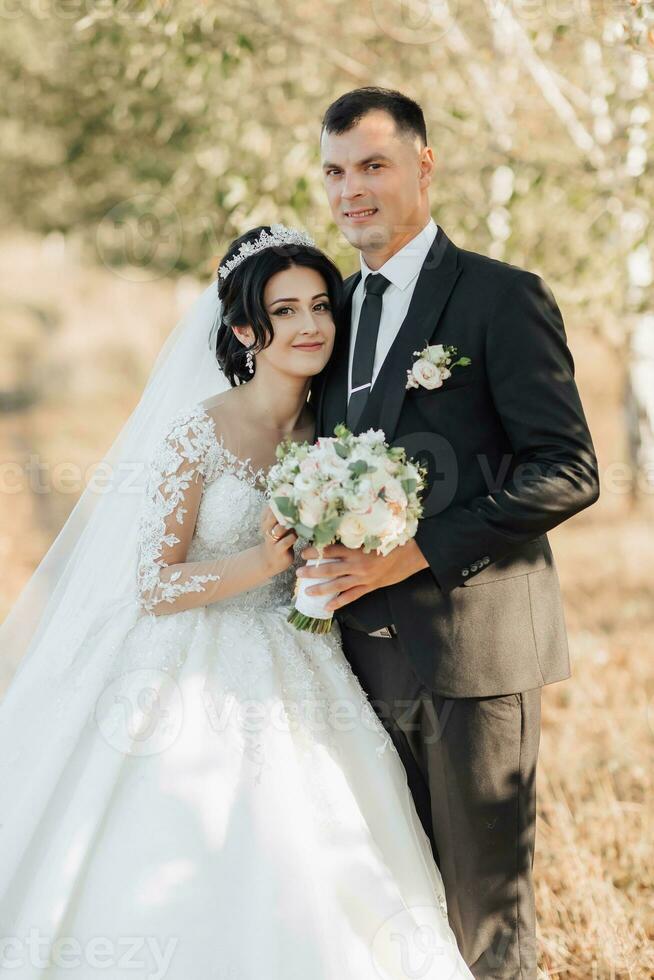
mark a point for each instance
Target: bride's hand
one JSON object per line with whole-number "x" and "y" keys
{"x": 277, "y": 546}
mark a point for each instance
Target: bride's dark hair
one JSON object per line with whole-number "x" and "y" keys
{"x": 241, "y": 295}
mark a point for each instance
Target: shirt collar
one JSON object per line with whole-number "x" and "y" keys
{"x": 403, "y": 267}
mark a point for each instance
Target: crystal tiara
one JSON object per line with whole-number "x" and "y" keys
{"x": 281, "y": 235}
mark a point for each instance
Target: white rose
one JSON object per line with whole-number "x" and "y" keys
{"x": 389, "y": 465}
{"x": 378, "y": 482}
{"x": 388, "y": 545}
{"x": 395, "y": 533}
{"x": 435, "y": 353}
{"x": 331, "y": 490}
{"x": 303, "y": 483}
{"x": 309, "y": 467}
{"x": 395, "y": 493}
{"x": 335, "y": 468}
{"x": 378, "y": 520}
{"x": 427, "y": 374}
{"x": 360, "y": 501}
{"x": 312, "y": 511}
{"x": 351, "y": 531}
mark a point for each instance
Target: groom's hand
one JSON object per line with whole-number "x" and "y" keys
{"x": 358, "y": 573}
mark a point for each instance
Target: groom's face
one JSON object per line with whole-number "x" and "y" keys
{"x": 376, "y": 180}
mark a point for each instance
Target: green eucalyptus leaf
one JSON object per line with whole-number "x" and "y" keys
{"x": 287, "y": 508}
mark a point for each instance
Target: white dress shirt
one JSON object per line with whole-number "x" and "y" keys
{"x": 401, "y": 270}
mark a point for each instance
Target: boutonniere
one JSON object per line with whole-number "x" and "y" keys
{"x": 433, "y": 366}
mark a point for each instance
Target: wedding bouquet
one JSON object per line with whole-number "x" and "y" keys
{"x": 355, "y": 490}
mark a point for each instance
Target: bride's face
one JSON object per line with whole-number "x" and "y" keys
{"x": 298, "y": 305}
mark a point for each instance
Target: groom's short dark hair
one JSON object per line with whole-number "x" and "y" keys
{"x": 347, "y": 110}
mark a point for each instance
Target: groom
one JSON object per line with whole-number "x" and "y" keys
{"x": 454, "y": 634}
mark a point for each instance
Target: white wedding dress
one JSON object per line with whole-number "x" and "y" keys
{"x": 210, "y": 795}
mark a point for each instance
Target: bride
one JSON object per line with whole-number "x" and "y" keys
{"x": 189, "y": 786}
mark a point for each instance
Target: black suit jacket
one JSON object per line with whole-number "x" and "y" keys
{"x": 509, "y": 456}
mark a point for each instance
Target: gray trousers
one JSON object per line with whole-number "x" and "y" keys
{"x": 471, "y": 768}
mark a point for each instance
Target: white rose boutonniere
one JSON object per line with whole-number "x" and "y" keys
{"x": 433, "y": 366}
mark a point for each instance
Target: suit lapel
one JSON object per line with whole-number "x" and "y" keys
{"x": 436, "y": 279}
{"x": 333, "y": 402}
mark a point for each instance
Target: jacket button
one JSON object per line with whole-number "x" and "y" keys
{"x": 465, "y": 571}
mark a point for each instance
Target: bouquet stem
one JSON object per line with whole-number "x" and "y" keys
{"x": 309, "y": 613}
{"x": 309, "y": 623}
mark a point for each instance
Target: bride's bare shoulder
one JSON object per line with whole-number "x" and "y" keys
{"x": 223, "y": 410}
{"x": 222, "y": 404}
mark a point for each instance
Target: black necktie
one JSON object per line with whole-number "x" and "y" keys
{"x": 365, "y": 346}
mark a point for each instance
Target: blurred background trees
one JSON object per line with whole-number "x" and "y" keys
{"x": 157, "y": 131}
{"x": 196, "y": 120}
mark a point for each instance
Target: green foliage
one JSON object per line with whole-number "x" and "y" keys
{"x": 359, "y": 467}
{"x": 324, "y": 533}
{"x": 159, "y": 131}
{"x": 287, "y": 508}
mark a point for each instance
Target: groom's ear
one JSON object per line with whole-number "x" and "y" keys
{"x": 427, "y": 166}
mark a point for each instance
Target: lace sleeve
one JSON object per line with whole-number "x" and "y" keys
{"x": 174, "y": 490}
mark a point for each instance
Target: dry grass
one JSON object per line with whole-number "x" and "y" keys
{"x": 594, "y": 864}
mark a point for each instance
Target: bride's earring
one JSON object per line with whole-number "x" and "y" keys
{"x": 249, "y": 360}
